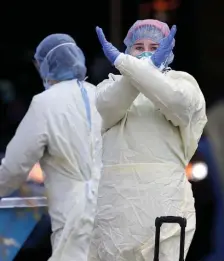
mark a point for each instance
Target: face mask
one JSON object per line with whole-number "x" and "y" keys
{"x": 147, "y": 55}
{"x": 144, "y": 55}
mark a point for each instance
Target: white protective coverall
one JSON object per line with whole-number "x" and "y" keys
{"x": 152, "y": 122}
{"x": 55, "y": 131}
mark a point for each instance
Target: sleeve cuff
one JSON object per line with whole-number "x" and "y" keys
{"x": 121, "y": 57}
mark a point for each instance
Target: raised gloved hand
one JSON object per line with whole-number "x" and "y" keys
{"x": 109, "y": 50}
{"x": 166, "y": 46}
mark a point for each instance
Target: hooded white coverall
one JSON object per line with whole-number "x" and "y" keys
{"x": 55, "y": 131}
{"x": 152, "y": 122}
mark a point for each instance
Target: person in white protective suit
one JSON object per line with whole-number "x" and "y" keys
{"x": 62, "y": 130}
{"x": 153, "y": 118}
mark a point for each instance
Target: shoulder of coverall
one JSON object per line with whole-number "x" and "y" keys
{"x": 39, "y": 105}
{"x": 41, "y": 100}
{"x": 47, "y": 99}
{"x": 57, "y": 92}
{"x": 185, "y": 77}
{"x": 199, "y": 104}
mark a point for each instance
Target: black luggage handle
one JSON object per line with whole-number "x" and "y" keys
{"x": 170, "y": 219}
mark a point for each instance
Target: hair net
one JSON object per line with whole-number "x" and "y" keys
{"x": 147, "y": 29}
{"x": 60, "y": 59}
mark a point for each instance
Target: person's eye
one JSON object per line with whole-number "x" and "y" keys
{"x": 139, "y": 48}
{"x": 154, "y": 48}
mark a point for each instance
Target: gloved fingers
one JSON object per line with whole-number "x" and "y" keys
{"x": 168, "y": 42}
{"x": 172, "y": 34}
{"x": 101, "y": 36}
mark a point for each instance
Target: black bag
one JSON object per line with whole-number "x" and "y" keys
{"x": 170, "y": 219}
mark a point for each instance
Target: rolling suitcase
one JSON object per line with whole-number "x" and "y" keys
{"x": 170, "y": 219}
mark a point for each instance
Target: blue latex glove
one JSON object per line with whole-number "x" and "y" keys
{"x": 109, "y": 50}
{"x": 166, "y": 46}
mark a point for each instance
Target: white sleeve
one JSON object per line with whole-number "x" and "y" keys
{"x": 176, "y": 94}
{"x": 24, "y": 150}
{"x": 113, "y": 99}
